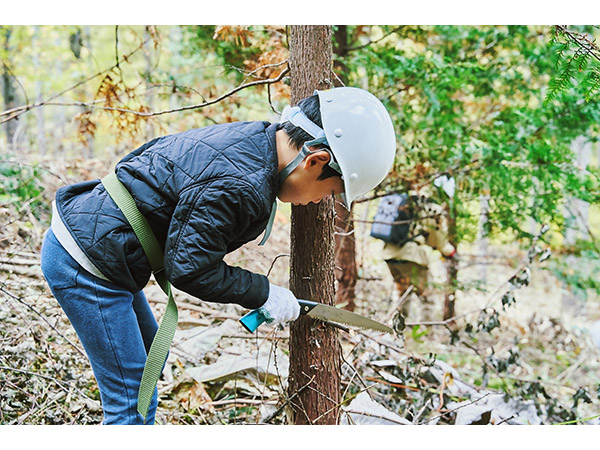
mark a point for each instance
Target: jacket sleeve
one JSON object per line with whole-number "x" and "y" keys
{"x": 206, "y": 219}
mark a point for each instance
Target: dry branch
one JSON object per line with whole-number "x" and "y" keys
{"x": 93, "y": 105}
{"x": 19, "y": 110}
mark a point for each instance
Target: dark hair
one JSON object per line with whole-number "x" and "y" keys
{"x": 311, "y": 107}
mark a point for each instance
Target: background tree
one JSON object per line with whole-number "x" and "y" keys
{"x": 346, "y": 272}
{"x": 9, "y": 89}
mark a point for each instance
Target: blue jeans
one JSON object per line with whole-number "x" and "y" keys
{"x": 115, "y": 326}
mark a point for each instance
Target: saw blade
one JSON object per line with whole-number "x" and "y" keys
{"x": 333, "y": 314}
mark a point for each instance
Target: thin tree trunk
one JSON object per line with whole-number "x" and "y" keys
{"x": 450, "y": 296}
{"x": 484, "y": 203}
{"x": 314, "y": 346}
{"x": 346, "y": 272}
{"x": 58, "y": 121}
{"x": 577, "y": 210}
{"x": 8, "y": 86}
{"x": 175, "y": 45}
{"x": 87, "y": 40}
{"x": 576, "y": 214}
{"x": 148, "y": 79}
{"x": 39, "y": 114}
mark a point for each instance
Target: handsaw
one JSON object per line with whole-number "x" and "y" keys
{"x": 254, "y": 318}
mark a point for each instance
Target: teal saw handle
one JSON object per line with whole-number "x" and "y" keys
{"x": 253, "y": 320}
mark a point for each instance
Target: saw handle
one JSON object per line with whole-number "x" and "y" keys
{"x": 252, "y": 320}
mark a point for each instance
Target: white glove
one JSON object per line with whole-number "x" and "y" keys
{"x": 281, "y": 306}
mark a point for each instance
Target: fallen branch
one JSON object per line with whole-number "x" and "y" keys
{"x": 456, "y": 409}
{"x": 344, "y": 401}
{"x": 294, "y": 395}
{"x": 397, "y": 385}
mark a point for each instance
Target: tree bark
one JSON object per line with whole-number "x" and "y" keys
{"x": 39, "y": 114}
{"x": 483, "y": 241}
{"x": 148, "y": 79}
{"x": 314, "y": 347}
{"x": 59, "y": 116}
{"x": 8, "y": 86}
{"x": 346, "y": 272}
{"x": 450, "y": 295}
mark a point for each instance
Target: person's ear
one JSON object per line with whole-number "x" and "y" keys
{"x": 318, "y": 158}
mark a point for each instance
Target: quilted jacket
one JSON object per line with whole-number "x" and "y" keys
{"x": 205, "y": 192}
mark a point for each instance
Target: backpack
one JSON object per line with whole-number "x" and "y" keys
{"x": 392, "y": 208}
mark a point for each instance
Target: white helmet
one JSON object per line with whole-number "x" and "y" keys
{"x": 359, "y": 131}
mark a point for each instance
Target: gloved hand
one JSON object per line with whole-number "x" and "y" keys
{"x": 281, "y": 306}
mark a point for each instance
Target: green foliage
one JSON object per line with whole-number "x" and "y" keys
{"x": 581, "y": 395}
{"x": 232, "y": 50}
{"x": 497, "y": 108}
{"x": 503, "y": 364}
{"x": 577, "y": 62}
{"x": 468, "y": 101}
{"x": 488, "y": 320}
{"x": 21, "y": 187}
{"x": 417, "y": 333}
{"x": 580, "y": 270}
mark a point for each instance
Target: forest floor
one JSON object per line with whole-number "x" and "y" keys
{"x": 536, "y": 365}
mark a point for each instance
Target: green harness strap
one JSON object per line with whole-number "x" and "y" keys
{"x": 164, "y": 336}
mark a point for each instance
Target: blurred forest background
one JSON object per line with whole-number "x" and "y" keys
{"x": 512, "y": 113}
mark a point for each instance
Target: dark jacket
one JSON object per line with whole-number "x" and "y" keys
{"x": 205, "y": 192}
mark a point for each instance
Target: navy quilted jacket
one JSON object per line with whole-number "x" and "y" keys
{"x": 205, "y": 192}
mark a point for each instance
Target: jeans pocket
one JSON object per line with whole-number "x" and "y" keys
{"x": 61, "y": 279}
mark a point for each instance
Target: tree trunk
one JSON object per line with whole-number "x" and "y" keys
{"x": 79, "y": 39}
{"x": 314, "y": 347}
{"x": 175, "y": 44}
{"x": 148, "y": 79}
{"x": 576, "y": 210}
{"x": 346, "y": 272}
{"x": 450, "y": 296}
{"x": 39, "y": 113}
{"x": 483, "y": 240}
{"x": 576, "y": 214}
{"x": 58, "y": 121}
{"x": 8, "y": 86}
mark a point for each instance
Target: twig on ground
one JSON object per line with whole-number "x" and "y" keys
{"x": 21, "y": 301}
{"x": 63, "y": 385}
{"x": 456, "y": 409}
{"x": 289, "y": 400}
